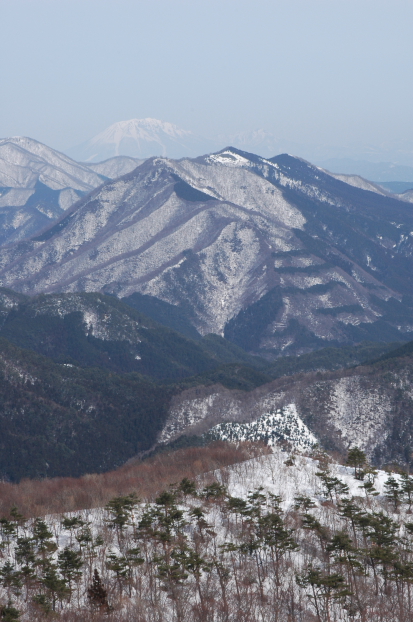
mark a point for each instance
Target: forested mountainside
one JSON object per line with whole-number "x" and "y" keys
{"x": 277, "y": 255}
{"x": 58, "y": 419}
{"x": 38, "y": 184}
{"x": 82, "y": 409}
{"x": 273, "y": 537}
{"x": 87, "y": 329}
{"x": 144, "y": 334}
{"x": 110, "y": 367}
{"x": 173, "y": 316}
{"x": 369, "y": 406}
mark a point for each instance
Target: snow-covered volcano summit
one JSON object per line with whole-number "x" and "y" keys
{"x": 141, "y": 138}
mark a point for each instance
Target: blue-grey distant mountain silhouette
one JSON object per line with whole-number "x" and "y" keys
{"x": 376, "y": 171}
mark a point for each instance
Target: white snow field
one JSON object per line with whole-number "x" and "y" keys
{"x": 232, "y": 550}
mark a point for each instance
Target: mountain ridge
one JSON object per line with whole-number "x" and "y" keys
{"x": 368, "y": 406}
{"x": 39, "y": 184}
{"x": 218, "y": 233}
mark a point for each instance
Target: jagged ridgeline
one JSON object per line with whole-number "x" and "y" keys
{"x": 277, "y": 255}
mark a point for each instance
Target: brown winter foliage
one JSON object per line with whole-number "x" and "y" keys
{"x": 145, "y": 478}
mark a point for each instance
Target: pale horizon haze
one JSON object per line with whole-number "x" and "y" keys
{"x": 318, "y": 74}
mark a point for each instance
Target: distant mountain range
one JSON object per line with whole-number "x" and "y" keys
{"x": 145, "y": 138}
{"x": 38, "y": 184}
{"x": 277, "y": 255}
{"x": 376, "y": 171}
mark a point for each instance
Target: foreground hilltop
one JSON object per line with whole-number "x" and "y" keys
{"x": 292, "y": 536}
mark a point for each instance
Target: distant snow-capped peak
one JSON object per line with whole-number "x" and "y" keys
{"x": 142, "y": 138}
{"x": 139, "y": 130}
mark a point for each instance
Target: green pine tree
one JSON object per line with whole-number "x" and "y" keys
{"x": 393, "y": 491}
{"x": 96, "y": 593}
{"x": 357, "y": 458}
{"x": 9, "y": 613}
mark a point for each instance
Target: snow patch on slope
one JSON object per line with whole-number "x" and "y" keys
{"x": 228, "y": 158}
{"x": 283, "y": 424}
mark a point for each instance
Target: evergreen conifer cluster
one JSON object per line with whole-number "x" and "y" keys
{"x": 201, "y": 551}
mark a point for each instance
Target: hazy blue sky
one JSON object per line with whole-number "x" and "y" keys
{"x": 311, "y": 71}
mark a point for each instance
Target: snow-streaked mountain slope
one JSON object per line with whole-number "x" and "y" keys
{"x": 132, "y": 233}
{"x": 370, "y": 407}
{"x": 284, "y": 425}
{"x": 309, "y": 259}
{"x": 25, "y": 161}
{"x": 141, "y": 138}
{"x": 360, "y": 182}
{"x": 406, "y": 196}
{"x": 37, "y": 185}
{"x": 115, "y": 167}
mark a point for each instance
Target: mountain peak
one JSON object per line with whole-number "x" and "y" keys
{"x": 34, "y": 147}
{"x": 139, "y": 130}
{"x": 141, "y": 138}
{"x": 38, "y": 184}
